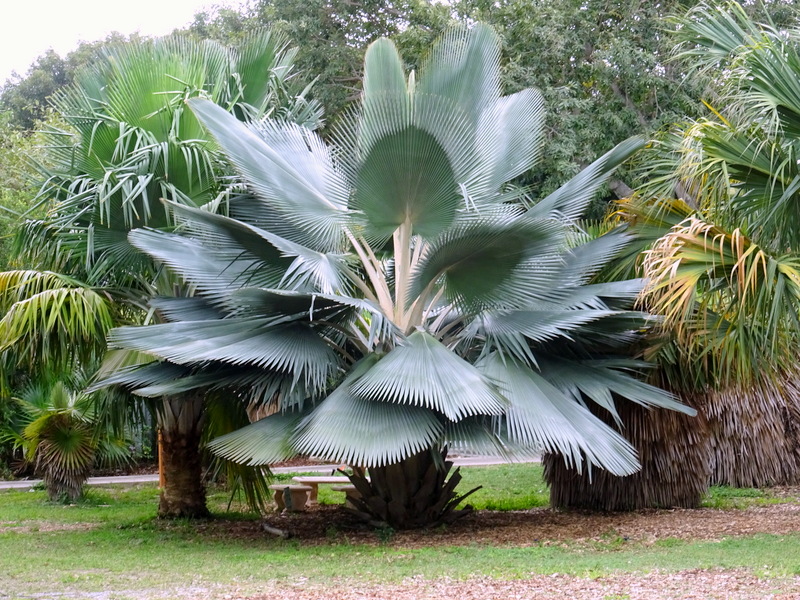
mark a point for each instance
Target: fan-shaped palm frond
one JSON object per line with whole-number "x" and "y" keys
{"x": 52, "y": 320}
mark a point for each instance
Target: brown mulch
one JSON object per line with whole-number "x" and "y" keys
{"x": 333, "y": 524}
{"x": 692, "y": 585}
{"x": 544, "y": 527}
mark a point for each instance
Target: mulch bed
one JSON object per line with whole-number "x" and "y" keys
{"x": 695, "y": 584}
{"x": 324, "y": 525}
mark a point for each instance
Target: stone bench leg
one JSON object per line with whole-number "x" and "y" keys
{"x": 312, "y": 495}
{"x": 278, "y": 498}
{"x": 291, "y": 500}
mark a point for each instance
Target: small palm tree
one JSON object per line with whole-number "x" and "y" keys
{"x": 393, "y": 294}
{"x": 65, "y": 435}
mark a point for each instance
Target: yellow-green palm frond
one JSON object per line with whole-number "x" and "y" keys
{"x": 51, "y": 319}
{"x": 724, "y": 298}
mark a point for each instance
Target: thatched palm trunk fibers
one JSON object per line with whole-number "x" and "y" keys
{"x": 673, "y": 450}
{"x": 754, "y": 434}
{"x": 410, "y": 494}
{"x": 184, "y": 493}
{"x": 740, "y": 437}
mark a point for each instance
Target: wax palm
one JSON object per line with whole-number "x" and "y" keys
{"x": 390, "y": 296}
{"x": 128, "y": 142}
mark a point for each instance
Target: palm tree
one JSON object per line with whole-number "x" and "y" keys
{"x": 64, "y": 433}
{"x": 724, "y": 271}
{"x": 393, "y": 294}
{"x": 128, "y": 142}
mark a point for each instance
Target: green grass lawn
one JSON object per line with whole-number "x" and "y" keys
{"x": 112, "y": 542}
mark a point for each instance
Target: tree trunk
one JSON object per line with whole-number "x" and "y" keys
{"x": 740, "y": 438}
{"x": 410, "y": 494}
{"x": 673, "y": 450}
{"x": 184, "y": 493}
{"x": 755, "y": 434}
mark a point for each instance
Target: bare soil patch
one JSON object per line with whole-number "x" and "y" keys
{"x": 47, "y": 526}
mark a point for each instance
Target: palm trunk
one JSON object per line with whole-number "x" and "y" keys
{"x": 184, "y": 493}
{"x": 755, "y": 434}
{"x": 410, "y": 494}
{"x": 740, "y": 438}
{"x": 673, "y": 450}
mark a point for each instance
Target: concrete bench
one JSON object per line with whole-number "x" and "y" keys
{"x": 291, "y": 497}
{"x": 314, "y": 481}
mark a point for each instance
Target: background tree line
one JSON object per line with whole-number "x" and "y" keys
{"x": 603, "y": 65}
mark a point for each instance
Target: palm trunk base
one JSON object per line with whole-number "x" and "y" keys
{"x": 411, "y": 494}
{"x": 183, "y": 495}
{"x": 755, "y": 435}
{"x": 674, "y": 453}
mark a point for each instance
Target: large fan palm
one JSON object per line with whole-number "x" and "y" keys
{"x": 393, "y": 293}
{"x": 129, "y": 142}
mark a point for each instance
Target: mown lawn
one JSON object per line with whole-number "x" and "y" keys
{"x": 112, "y": 542}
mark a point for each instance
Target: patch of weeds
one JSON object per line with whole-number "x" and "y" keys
{"x": 385, "y": 534}
{"x": 610, "y": 541}
{"x": 724, "y": 497}
{"x": 669, "y": 543}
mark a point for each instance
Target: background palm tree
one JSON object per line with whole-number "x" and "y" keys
{"x": 393, "y": 294}
{"x": 65, "y": 433}
{"x": 723, "y": 270}
{"x": 127, "y": 143}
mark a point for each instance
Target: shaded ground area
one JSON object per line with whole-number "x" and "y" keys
{"x": 325, "y": 524}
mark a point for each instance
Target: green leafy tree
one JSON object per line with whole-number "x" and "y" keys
{"x": 392, "y": 295}
{"x": 332, "y": 36}
{"x": 605, "y": 70}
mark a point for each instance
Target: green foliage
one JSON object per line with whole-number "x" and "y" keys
{"x": 604, "y": 68}
{"x": 725, "y": 272}
{"x": 18, "y": 152}
{"x": 332, "y": 36}
{"x": 27, "y": 97}
{"x": 122, "y": 143}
